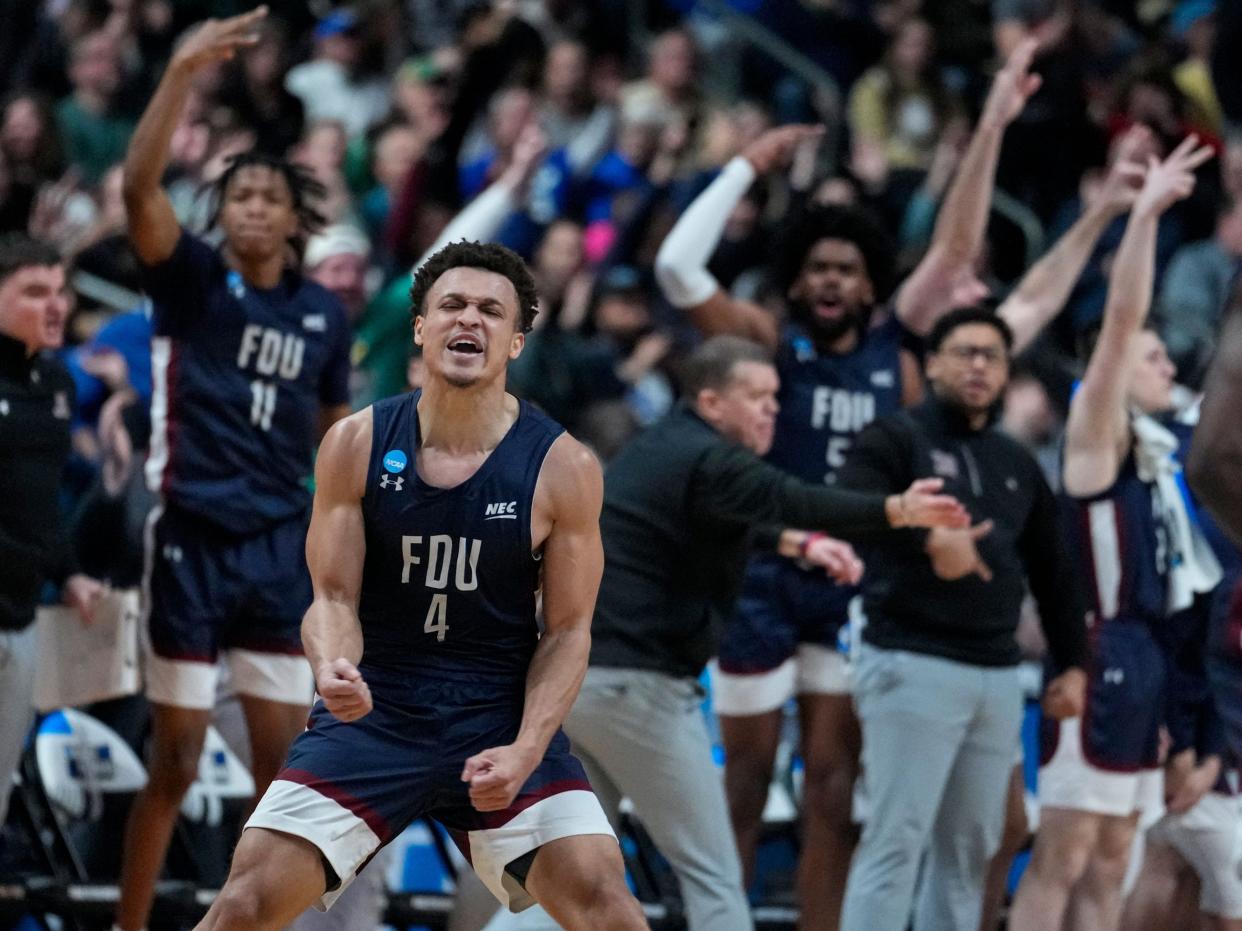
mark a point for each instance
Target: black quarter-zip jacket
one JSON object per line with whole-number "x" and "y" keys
{"x": 680, "y": 504}
{"x": 36, "y": 404}
{"x": 908, "y": 606}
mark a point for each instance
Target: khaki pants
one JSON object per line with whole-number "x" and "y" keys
{"x": 641, "y": 735}
{"x": 17, "y": 672}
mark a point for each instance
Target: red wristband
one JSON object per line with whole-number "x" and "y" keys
{"x": 809, "y": 539}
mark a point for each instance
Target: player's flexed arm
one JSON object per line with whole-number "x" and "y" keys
{"x": 681, "y": 264}
{"x": 568, "y": 499}
{"x": 335, "y": 550}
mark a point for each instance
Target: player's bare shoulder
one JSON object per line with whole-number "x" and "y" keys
{"x": 570, "y": 487}
{"x": 341, "y": 466}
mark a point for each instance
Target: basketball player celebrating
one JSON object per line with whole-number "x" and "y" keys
{"x": 435, "y": 512}
{"x": 247, "y": 356}
{"x": 1146, "y": 559}
{"x": 838, "y": 372}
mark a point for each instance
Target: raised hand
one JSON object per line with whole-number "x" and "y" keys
{"x": 920, "y": 505}
{"x": 1013, "y": 86}
{"x": 218, "y": 40}
{"x": 836, "y": 557}
{"x": 497, "y": 775}
{"x": 1120, "y": 187}
{"x": 343, "y": 690}
{"x": 528, "y": 153}
{"x": 776, "y": 147}
{"x": 1173, "y": 179}
{"x": 955, "y": 554}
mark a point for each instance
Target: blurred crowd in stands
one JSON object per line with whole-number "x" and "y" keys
{"x": 613, "y": 122}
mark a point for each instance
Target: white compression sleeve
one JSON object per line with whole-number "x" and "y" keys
{"x": 681, "y": 264}
{"x": 478, "y": 221}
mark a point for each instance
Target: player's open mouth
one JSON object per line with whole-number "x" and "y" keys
{"x": 829, "y": 310}
{"x": 466, "y": 346}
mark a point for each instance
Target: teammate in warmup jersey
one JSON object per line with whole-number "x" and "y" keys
{"x": 250, "y": 363}
{"x": 438, "y": 517}
{"x": 1144, "y": 558}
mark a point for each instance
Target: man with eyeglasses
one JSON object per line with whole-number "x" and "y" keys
{"x": 936, "y": 683}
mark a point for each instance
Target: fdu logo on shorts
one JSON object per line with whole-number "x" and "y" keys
{"x": 395, "y": 460}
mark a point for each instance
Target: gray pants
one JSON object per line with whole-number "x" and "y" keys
{"x": 642, "y": 735}
{"x": 17, "y": 672}
{"x": 938, "y": 748}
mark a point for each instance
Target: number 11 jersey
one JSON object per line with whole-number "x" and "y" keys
{"x": 239, "y": 374}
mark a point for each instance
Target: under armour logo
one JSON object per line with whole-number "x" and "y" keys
{"x": 1114, "y": 676}
{"x": 173, "y": 553}
{"x": 392, "y": 481}
{"x": 4, "y": 406}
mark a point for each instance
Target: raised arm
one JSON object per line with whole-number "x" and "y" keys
{"x": 1044, "y": 289}
{"x": 335, "y": 548}
{"x": 681, "y": 264}
{"x": 927, "y": 294}
{"x": 481, "y": 219}
{"x": 153, "y": 227}
{"x": 1214, "y": 465}
{"x": 1098, "y": 430}
{"x": 570, "y": 495}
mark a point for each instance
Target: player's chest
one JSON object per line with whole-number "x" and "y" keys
{"x": 842, "y": 398}
{"x": 421, "y": 536}
{"x": 279, "y": 343}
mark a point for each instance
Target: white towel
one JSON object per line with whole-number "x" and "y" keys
{"x": 1193, "y": 568}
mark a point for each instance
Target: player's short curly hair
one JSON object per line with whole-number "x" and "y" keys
{"x": 488, "y": 256}
{"x": 851, "y": 224}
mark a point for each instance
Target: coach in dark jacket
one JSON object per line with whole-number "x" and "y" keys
{"x": 937, "y": 680}
{"x": 36, "y": 403}
{"x": 680, "y": 503}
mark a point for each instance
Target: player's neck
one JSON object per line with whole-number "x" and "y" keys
{"x": 261, "y": 273}
{"x": 846, "y": 342}
{"x": 465, "y": 420}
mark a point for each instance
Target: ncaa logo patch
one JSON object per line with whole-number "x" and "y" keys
{"x": 395, "y": 460}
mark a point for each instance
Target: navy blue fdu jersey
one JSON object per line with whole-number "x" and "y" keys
{"x": 827, "y": 399}
{"x": 1120, "y": 538}
{"x": 239, "y": 374}
{"x": 449, "y": 581}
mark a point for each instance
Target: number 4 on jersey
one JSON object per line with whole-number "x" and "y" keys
{"x": 437, "y": 617}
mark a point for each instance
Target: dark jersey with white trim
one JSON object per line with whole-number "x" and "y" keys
{"x": 449, "y": 581}
{"x": 825, "y": 401}
{"x": 239, "y": 374}
{"x": 1119, "y": 537}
